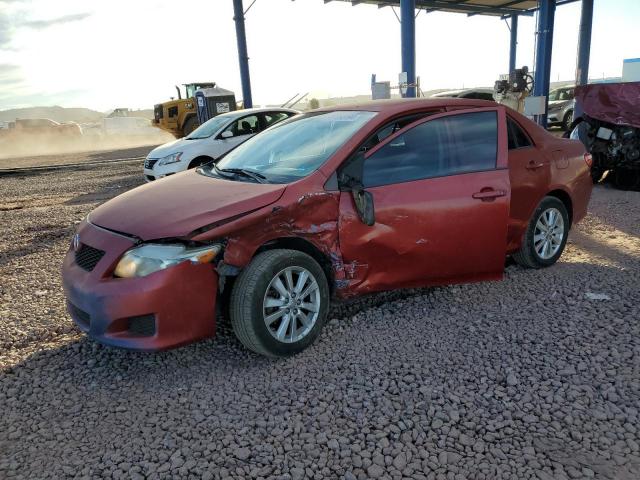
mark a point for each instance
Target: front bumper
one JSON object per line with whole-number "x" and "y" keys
{"x": 555, "y": 117}
{"x": 158, "y": 172}
{"x": 166, "y": 309}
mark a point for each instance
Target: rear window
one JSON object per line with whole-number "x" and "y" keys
{"x": 516, "y": 136}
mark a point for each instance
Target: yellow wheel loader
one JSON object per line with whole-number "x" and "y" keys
{"x": 180, "y": 116}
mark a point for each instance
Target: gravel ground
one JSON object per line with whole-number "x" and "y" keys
{"x": 535, "y": 377}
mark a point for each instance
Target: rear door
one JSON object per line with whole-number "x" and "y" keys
{"x": 529, "y": 175}
{"x": 441, "y": 197}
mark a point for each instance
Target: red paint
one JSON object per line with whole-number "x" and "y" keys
{"x": 433, "y": 231}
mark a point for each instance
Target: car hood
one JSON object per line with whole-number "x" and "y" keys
{"x": 177, "y": 205}
{"x": 179, "y": 145}
{"x": 559, "y": 103}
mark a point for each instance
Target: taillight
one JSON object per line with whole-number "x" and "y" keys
{"x": 588, "y": 159}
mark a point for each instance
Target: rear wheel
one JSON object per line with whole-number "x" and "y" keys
{"x": 190, "y": 125}
{"x": 279, "y": 303}
{"x": 546, "y": 235}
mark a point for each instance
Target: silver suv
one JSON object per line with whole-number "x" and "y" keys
{"x": 561, "y": 106}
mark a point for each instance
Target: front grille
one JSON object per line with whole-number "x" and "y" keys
{"x": 149, "y": 163}
{"x": 143, "y": 325}
{"x": 88, "y": 257}
{"x": 79, "y": 315}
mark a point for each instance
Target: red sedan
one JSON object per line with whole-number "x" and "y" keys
{"x": 337, "y": 202}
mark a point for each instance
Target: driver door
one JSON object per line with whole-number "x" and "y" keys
{"x": 441, "y": 193}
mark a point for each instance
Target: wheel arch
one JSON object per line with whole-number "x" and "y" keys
{"x": 304, "y": 246}
{"x": 200, "y": 159}
{"x": 565, "y": 198}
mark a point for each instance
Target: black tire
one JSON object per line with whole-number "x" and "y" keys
{"x": 527, "y": 256}
{"x": 626, "y": 178}
{"x": 248, "y": 294}
{"x": 567, "y": 121}
{"x": 190, "y": 125}
{"x": 196, "y": 162}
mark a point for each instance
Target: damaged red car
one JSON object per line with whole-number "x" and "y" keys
{"x": 327, "y": 205}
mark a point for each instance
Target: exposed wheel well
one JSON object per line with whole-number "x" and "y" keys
{"x": 566, "y": 200}
{"x": 305, "y": 246}
{"x": 199, "y": 161}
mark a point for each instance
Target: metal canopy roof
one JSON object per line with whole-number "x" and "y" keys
{"x": 470, "y": 7}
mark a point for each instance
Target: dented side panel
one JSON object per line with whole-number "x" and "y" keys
{"x": 312, "y": 216}
{"x": 427, "y": 232}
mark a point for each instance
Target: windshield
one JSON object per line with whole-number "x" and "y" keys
{"x": 294, "y": 148}
{"x": 560, "y": 94}
{"x": 208, "y": 128}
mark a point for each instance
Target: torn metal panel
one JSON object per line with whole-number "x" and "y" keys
{"x": 312, "y": 217}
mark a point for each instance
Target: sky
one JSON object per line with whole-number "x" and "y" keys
{"x": 103, "y": 54}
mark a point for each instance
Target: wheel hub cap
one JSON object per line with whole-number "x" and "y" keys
{"x": 549, "y": 233}
{"x": 291, "y": 304}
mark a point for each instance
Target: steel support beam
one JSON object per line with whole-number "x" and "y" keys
{"x": 408, "y": 43}
{"x": 544, "y": 46}
{"x": 513, "y": 46}
{"x": 243, "y": 57}
{"x": 584, "y": 43}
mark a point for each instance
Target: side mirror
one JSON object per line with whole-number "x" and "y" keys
{"x": 364, "y": 206}
{"x": 226, "y": 134}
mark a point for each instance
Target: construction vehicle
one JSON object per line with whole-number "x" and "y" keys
{"x": 179, "y": 116}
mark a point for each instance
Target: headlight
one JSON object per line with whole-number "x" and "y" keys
{"x": 173, "y": 158}
{"x": 146, "y": 259}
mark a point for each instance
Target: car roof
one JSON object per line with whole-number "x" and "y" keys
{"x": 398, "y": 106}
{"x": 461, "y": 91}
{"x": 246, "y": 111}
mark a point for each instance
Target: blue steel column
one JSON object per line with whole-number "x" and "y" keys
{"x": 243, "y": 57}
{"x": 514, "y": 43}
{"x": 544, "y": 48}
{"x": 408, "y": 42}
{"x": 584, "y": 43}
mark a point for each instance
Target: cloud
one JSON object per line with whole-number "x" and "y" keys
{"x": 10, "y": 24}
{"x": 55, "y": 21}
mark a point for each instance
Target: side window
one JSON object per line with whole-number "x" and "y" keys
{"x": 391, "y": 128}
{"x": 517, "y": 137}
{"x": 450, "y": 145}
{"x": 244, "y": 126}
{"x": 271, "y": 118}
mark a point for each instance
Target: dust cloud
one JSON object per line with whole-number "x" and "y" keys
{"x": 18, "y": 145}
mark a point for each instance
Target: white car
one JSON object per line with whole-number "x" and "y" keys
{"x": 211, "y": 140}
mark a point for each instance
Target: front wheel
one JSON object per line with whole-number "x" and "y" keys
{"x": 546, "y": 235}
{"x": 190, "y": 125}
{"x": 567, "y": 121}
{"x": 279, "y": 303}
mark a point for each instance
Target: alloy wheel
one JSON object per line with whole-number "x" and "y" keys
{"x": 291, "y": 304}
{"x": 549, "y": 233}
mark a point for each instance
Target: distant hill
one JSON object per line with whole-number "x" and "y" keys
{"x": 61, "y": 114}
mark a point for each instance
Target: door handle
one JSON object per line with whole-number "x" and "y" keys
{"x": 488, "y": 194}
{"x": 532, "y": 165}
